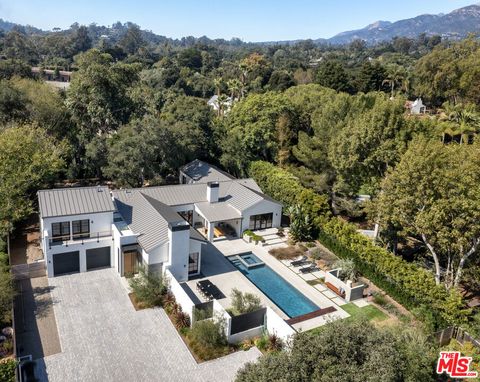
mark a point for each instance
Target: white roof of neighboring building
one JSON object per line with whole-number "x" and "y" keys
{"x": 205, "y": 172}
{"x": 74, "y": 201}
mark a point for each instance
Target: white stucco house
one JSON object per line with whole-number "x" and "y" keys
{"x": 161, "y": 228}
{"x": 416, "y": 107}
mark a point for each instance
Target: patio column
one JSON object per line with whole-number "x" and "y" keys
{"x": 210, "y": 231}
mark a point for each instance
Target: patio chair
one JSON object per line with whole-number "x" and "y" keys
{"x": 309, "y": 269}
{"x": 297, "y": 263}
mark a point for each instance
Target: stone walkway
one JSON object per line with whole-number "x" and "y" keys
{"x": 104, "y": 339}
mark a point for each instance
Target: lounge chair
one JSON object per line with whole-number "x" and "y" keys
{"x": 297, "y": 263}
{"x": 311, "y": 268}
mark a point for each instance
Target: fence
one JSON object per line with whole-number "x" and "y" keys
{"x": 444, "y": 336}
{"x": 28, "y": 271}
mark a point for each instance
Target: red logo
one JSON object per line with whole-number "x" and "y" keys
{"x": 456, "y": 366}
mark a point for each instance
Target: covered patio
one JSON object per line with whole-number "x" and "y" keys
{"x": 217, "y": 220}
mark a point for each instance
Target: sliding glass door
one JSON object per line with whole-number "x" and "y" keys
{"x": 261, "y": 221}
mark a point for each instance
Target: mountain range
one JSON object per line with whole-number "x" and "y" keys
{"x": 454, "y": 25}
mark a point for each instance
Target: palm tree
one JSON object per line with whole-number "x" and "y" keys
{"x": 396, "y": 76}
{"x": 460, "y": 120}
{"x": 222, "y": 101}
{"x": 234, "y": 86}
{"x": 217, "y": 82}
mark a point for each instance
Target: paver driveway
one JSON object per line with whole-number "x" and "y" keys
{"x": 104, "y": 339}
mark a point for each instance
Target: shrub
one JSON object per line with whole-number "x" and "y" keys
{"x": 7, "y": 370}
{"x": 285, "y": 253}
{"x": 7, "y": 290}
{"x": 209, "y": 333}
{"x": 280, "y": 232}
{"x": 310, "y": 244}
{"x": 149, "y": 287}
{"x": 316, "y": 253}
{"x": 244, "y": 302}
{"x": 286, "y": 188}
{"x": 379, "y": 299}
{"x": 262, "y": 343}
{"x": 169, "y": 302}
{"x": 275, "y": 343}
{"x": 181, "y": 319}
{"x": 348, "y": 270}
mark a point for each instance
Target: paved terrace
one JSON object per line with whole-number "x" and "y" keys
{"x": 225, "y": 276}
{"x": 104, "y": 339}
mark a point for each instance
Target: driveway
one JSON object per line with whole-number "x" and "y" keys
{"x": 104, "y": 339}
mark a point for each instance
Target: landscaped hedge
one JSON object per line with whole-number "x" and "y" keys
{"x": 407, "y": 283}
{"x": 286, "y": 188}
{"x": 410, "y": 285}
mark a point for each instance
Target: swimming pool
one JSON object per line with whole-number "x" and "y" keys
{"x": 275, "y": 287}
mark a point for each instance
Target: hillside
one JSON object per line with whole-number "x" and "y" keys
{"x": 454, "y": 25}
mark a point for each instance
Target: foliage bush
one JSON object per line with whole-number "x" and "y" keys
{"x": 286, "y": 188}
{"x": 7, "y": 370}
{"x": 209, "y": 333}
{"x": 405, "y": 282}
{"x": 348, "y": 271}
{"x": 286, "y": 253}
{"x": 149, "y": 287}
{"x": 181, "y": 319}
{"x": 410, "y": 285}
{"x": 244, "y": 302}
{"x": 316, "y": 253}
{"x": 7, "y": 290}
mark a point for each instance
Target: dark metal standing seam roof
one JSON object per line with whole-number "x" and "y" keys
{"x": 74, "y": 201}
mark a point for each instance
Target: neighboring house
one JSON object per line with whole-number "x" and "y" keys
{"x": 160, "y": 227}
{"x": 213, "y": 102}
{"x": 416, "y": 107}
{"x": 60, "y": 79}
{"x": 198, "y": 171}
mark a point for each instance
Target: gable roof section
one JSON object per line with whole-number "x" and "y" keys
{"x": 205, "y": 172}
{"x": 74, "y": 201}
{"x": 238, "y": 193}
{"x": 145, "y": 219}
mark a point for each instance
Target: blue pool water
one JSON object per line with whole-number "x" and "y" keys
{"x": 282, "y": 293}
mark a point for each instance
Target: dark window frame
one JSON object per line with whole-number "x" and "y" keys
{"x": 193, "y": 263}
{"x": 81, "y": 229}
{"x": 60, "y": 231}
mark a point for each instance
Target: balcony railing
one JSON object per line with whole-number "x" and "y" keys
{"x": 80, "y": 238}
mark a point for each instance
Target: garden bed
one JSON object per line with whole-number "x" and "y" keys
{"x": 138, "y": 305}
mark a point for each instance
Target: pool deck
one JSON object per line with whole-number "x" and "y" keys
{"x": 231, "y": 247}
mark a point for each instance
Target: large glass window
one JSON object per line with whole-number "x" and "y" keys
{"x": 81, "y": 229}
{"x": 60, "y": 231}
{"x": 261, "y": 221}
{"x": 193, "y": 263}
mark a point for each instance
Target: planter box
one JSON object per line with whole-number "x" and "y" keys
{"x": 247, "y": 239}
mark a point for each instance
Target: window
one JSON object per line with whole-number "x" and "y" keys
{"x": 193, "y": 263}
{"x": 262, "y": 221}
{"x": 81, "y": 229}
{"x": 60, "y": 231}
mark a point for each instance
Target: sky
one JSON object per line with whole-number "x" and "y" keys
{"x": 249, "y": 20}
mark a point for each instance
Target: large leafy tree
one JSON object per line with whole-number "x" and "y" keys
{"x": 29, "y": 159}
{"x": 433, "y": 195}
{"x": 348, "y": 351}
{"x": 98, "y": 95}
{"x": 261, "y": 126}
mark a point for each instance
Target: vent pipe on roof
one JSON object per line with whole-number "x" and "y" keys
{"x": 212, "y": 191}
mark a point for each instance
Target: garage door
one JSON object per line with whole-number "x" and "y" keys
{"x": 98, "y": 258}
{"x": 68, "y": 262}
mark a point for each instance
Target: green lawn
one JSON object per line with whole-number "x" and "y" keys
{"x": 369, "y": 311}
